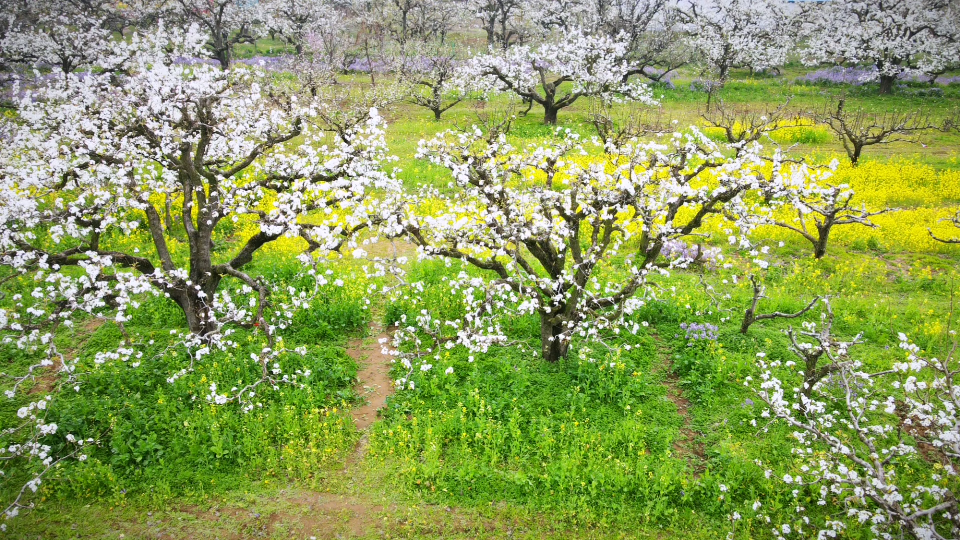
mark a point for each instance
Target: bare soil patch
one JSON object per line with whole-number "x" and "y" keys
{"x": 374, "y": 382}
{"x": 47, "y": 381}
{"x": 688, "y": 446}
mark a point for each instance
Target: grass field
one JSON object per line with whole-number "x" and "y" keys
{"x": 654, "y": 441}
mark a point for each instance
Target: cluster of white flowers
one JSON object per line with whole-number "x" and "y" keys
{"x": 156, "y": 141}
{"x": 520, "y": 215}
{"x": 595, "y": 65}
{"x": 882, "y": 444}
{"x": 58, "y": 34}
{"x": 23, "y": 448}
{"x": 898, "y": 37}
{"x": 161, "y": 150}
{"x": 739, "y": 33}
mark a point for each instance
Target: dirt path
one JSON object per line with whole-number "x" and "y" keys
{"x": 333, "y": 515}
{"x": 301, "y": 514}
{"x": 688, "y": 446}
{"x": 374, "y": 382}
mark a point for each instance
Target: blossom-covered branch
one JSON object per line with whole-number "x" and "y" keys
{"x": 555, "y": 75}
{"x": 881, "y": 444}
{"x": 540, "y": 223}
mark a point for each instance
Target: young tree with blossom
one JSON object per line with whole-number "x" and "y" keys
{"x": 558, "y": 73}
{"x": 819, "y": 208}
{"x": 431, "y": 74}
{"x": 505, "y": 22}
{"x": 898, "y": 37}
{"x": 881, "y": 444}
{"x": 541, "y": 224}
{"x": 406, "y": 20}
{"x": 327, "y": 48}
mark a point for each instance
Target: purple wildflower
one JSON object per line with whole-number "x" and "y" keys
{"x": 700, "y": 332}
{"x": 678, "y": 251}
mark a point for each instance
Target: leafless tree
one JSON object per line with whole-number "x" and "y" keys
{"x": 859, "y": 128}
{"x": 618, "y": 124}
{"x": 952, "y": 122}
{"x": 829, "y": 206}
{"x": 744, "y": 124}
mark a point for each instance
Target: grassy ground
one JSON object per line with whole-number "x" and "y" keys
{"x": 651, "y": 442}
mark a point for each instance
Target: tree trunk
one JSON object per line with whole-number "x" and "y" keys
{"x": 437, "y": 101}
{"x": 748, "y": 319}
{"x": 820, "y": 247}
{"x": 221, "y": 48}
{"x": 550, "y": 115}
{"x": 224, "y": 59}
{"x": 197, "y": 311}
{"x": 554, "y": 346}
{"x": 168, "y": 214}
{"x": 366, "y": 51}
{"x": 886, "y": 84}
{"x": 855, "y": 156}
{"x": 197, "y": 298}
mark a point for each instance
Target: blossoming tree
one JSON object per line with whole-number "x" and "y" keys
{"x": 57, "y": 34}
{"x": 556, "y": 74}
{"x": 227, "y": 23}
{"x": 542, "y": 223}
{"x": 90, "y": 162}
{"x": 820, "y": 207}
{"x": 898, "y": 37}
{"x": 432, "y": 76}
{"x": 295, "y": 20}
{"x": 506, "y": 22}
{"x": 410, "y": 20}
{"x": 739, "y": 33}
